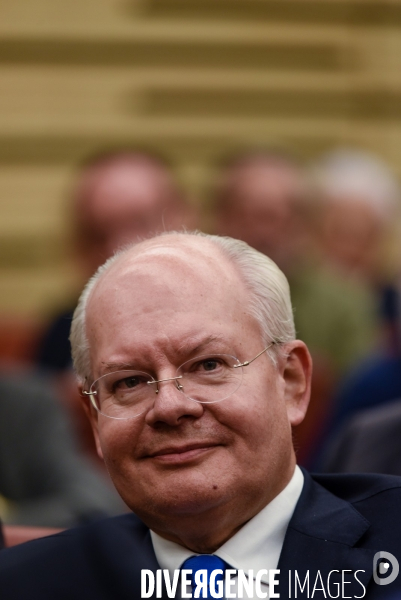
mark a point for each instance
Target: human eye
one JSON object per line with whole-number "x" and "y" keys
{"x": 207, "y": 364}
{"x": 132, "y": 382}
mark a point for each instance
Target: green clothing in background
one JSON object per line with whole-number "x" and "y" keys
{"x": 333, "y": 316}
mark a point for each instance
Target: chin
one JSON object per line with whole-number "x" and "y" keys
{"x": 178, "y": 499}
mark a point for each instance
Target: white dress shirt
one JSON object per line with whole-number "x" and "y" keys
{"x": 257, "y": 545}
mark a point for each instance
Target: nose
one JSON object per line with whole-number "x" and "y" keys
{"x": 170, "y": 405}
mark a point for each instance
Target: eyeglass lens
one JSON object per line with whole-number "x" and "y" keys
{"x": 205, "y": 379}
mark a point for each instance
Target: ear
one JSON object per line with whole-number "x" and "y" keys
{"x": 92, "y": 415}
{"x": 297, "y": 374}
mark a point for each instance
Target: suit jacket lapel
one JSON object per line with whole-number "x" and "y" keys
{"x": 118, "y": 551}
{"x": 321, "y": 537}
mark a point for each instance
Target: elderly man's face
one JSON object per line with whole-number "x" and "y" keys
{"x": 153, "y": 312}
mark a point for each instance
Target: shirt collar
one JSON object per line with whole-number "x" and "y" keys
{"x": 257, "y": 545}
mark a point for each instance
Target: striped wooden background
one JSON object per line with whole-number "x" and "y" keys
{"x": 190, "y": 78}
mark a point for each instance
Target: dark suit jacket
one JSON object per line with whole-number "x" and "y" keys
{"x": 43, "y": 473}
{"x": 340, "y": 522}
{"x": 370, "y": 442}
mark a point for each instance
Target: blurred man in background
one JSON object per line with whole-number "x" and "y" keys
{"x": 265, "y": 199}
{"x": 119, "y": 197}
{"x": 368, "y": 442}
{"x": 359, "y": 196}
{"x": 44, "y": 478}
{"x": 372, "y": 384}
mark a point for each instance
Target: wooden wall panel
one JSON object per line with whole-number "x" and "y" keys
{"x": 191, "y": 79}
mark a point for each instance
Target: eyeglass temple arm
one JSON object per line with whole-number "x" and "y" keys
{"x": 91, "y": 396}
{"x": 248, "y": 362}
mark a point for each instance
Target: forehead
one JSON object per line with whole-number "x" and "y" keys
{"x": 163, "y": 262}
{"x": 131, "y": 185}
{"x": 166, "y": 291}
{"x": 272, "y": 184}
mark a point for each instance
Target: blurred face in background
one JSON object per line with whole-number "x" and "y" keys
{"x": 123, "y": 200}
{"x": 259, "y": 201}
{"x": 358, "y": 196}
{"x": 352, "y": 237}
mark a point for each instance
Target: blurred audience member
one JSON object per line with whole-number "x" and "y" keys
{"x": 118, "y": 198}
{"x": 369, "y": 442}
{"x": 265, "y": 199}
{"x": 44, "y": 480}
{"x": 359, "y": 205}
{"x": 359, "y": 195}
{"x": 376, "y": 380}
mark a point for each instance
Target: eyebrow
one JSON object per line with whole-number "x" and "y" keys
{"x": 110, "y": 367}
{"x": 186, "y": 348}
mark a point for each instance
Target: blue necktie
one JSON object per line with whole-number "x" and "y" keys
{"x": 207, "y": 562}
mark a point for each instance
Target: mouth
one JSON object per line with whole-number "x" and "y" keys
{"x": 183, "y": 453}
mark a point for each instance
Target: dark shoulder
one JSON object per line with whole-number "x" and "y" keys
{"x": 80, "y": 554}
{"x": 377, "y": 498}
{"x": 360, "y": 487}
{"x": 383, "y": 418}
{"x": 89, "y": 558}
{"x": 373, "y": 373}
{"x": 77, "y": 542}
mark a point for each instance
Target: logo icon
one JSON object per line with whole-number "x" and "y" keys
{"x": 385, "y": 568}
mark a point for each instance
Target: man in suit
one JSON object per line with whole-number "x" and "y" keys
{"x": 118, "y": 197}
{"x": 186, "y": 355}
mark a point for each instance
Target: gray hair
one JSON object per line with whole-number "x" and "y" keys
{"x": 351, "y": 173}
{"x": 269, "y": 301}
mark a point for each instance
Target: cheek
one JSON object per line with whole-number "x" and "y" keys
{"x": 258, "y": 414}
{"x": 117, "y": 440}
